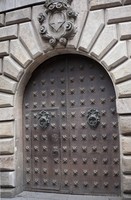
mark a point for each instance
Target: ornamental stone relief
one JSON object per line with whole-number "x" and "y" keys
{"x": 57, "y": 22}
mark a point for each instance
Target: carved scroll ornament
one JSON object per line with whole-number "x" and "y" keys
{"x": 57, "y": 22}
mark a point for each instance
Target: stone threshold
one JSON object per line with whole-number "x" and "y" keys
{"x": 53, "y": 196}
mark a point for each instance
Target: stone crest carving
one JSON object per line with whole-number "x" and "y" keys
{"x": 57, "y": 21}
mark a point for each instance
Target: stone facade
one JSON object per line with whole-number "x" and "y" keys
{"x": 103, "y": 34}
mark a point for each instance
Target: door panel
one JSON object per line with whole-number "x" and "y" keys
{"x": 72, "y": 156}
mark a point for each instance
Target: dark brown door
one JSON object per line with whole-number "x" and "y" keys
{"x": 71, "y": 133}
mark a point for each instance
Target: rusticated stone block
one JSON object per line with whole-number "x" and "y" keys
{"x": 127, "y": 184}
{"x": 122, "y": 72}
{"x": 6, "y": 129}
{"x": 8, "y": 32}
{"x": 0, "y": 66}
{"x": 124, "y": 106}
{"x": 125, "y": 32}
{"x": 7, "y": 179}
{"x": 19, "y": 53}
{"x": 124, "y": 89}
{"x": 105, "y": 42}
{"x": 7, "y": 85}
{"x": 6, "y": 114}
{"x": 119, "y": 14}
{"x": 99, "y": 4}
{"x": 27, "y": 35}
{"x": 6, "y": 146}
{"x": 12, "y": 69}
{"x": 126, "y": 145}
{"x": 1, "y": 20}
{"x": 7, "y": 163}
{"x": 116, "y": 55}
{"x": 92, "y": 29}
{"x": 4, "y": 48}
{"x": 125, "y": 125}
{"x": 18, "y": 16}
{"x": 8, "y": 192}
{"x": 126, "y": 164}
{"x": 6, "y": 100}
{"x": 127, "y": 2}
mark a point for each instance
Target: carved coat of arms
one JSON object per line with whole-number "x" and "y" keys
{"x": 57, "y": 21}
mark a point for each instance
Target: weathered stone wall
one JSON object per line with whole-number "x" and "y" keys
{"x": 103, "y": 33}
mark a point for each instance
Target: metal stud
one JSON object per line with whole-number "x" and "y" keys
{"x": 73, "y": 114}
{"x": 116, "y": 173}
{"x": 112, "y": 98}
{"x": 82, "y": 90}
{"x": 92, "y": 77}
{"x": 105, "y": 148}
{"x": 66, "y": 183}
{"x": 95, "y": 172}
{"x": 54, "y": 182}
{"x": 28, "y": 170}
{"x": 84, "y": 160}
{"x": 64, "y": 148}
{"x": 82, "y": 102}
{"x": 27, "y": 159}
{"x": 63, "y": 114}
{"x": 35, "y": 104}
{"x": 105, "y": 161}
{"x": 115, "y": 136}
{"x": 63, "y": 92}
{"x": 45, "y": 181}
{"x": 94, "y": 148}
{"x": 83, "y": 113}
{"x": 36, "y": 170}
{"x": 94, "y": 137}
{"x": 35, "y": 126}
{"x": 84, "y": 149}
{"x": 65, "y": 160}
{"x": 106, "y": 184}
{"x": 35, "y": 115}
{"x": 27, "y": 137}
{"x": 71, "y": 79}
{"x": 103, "y": 100}
{"x": 52, "y": 80}
{"x": 92, "y": 89}
{"x": 36, "y": 137}
{"x": 27, "y": 148}
{"x": 63, "y": 126}
{"x": 64, "y": 137}
{"x": 92, "y": 101}
{"x": 44, "y": 148}
{"x": 56, "y": 171}
{"x": 116, "y": 185}
{"x": 102, "y": 76}
{"x": 56, "y": 160}
{"x": 72, "y": 102}
{"x": 83, "y": 125}
{"x": 113, "y": 111}
{"x": 81, "y": 78}
{"x": 102, "y": 88}
{"x": 63, "y": 103}
{"x": 74, "y": 148}
{"x": 104, "y": 136}
{"x": 36, "y": 148}
{"x": 35, "y": 94}
{"x": 52, "y": 92}
{"x": 42, "y": 82}
{"x": 75, "y": 172}
{"x": 44, "y": 137}
{"x": 94, "y": 160}
{"x": 85, "y": 172}
{"x": 76, "y": 183}
{"x": 85, "y": 184}
{"x": 95, "y": 184}
{"x": 53, "y": 114}
{"x": 74, "y": 137}
{"x": 115, "y": 124}
{"x": 103, "y": 112}
{"x": 72, "y": 91}
{"x": 74, "y": 160}
{"x": 106, "y": 172}
{"x": 45, "y": 159}
{"x": 115, "y": 148}
{"x": 73, "y": 125}
{"x": 115, "y": 160}
{"x": 53, "y": 125}
{"x": 43, "y": 93}
{"x": 36, "y": 159}
{"x": 84, "y": 136}
{"x": 52, "y": 103}
{"x": 62, "y": 80}
{"x": 36, "y": 181}
{"x": 103, "y": 124}
{"x": 65, "y": 171}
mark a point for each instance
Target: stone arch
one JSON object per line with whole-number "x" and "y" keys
{"x": 22, "y": 51}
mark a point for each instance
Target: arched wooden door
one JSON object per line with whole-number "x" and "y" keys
{"x": 71, "y": 140}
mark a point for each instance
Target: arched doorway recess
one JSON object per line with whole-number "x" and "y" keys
{"x": 71, "y": 140}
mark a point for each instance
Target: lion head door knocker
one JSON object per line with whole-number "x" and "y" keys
{"x": 93, "y": 118}
{"x": 57, "y": 22}
{"x": 43, "y": 119}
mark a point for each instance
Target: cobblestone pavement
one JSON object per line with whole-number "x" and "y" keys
{"x": 52, "y": 196}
